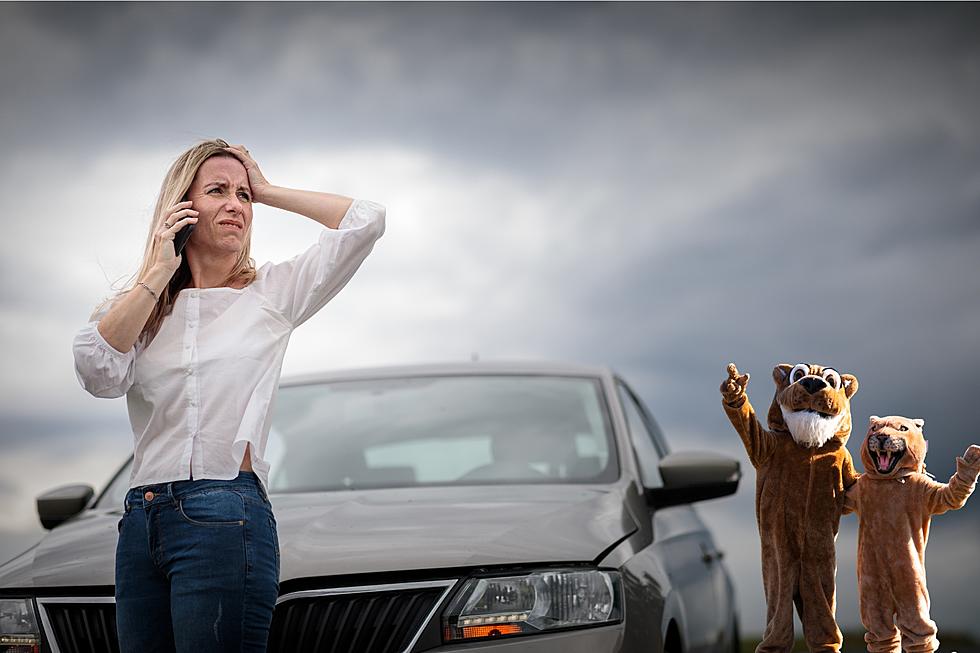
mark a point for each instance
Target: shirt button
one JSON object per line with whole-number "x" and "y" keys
{"x": 190, "y": 371}
{"x": 148, "y": 496}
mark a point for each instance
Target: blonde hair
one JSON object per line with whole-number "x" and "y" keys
{"x": 175, "y": 186}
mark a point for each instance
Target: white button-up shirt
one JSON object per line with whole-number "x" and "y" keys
{"x": 204, "y": 387}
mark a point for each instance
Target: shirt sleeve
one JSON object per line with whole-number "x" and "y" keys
{"x": 101, "y": 369}
{"x": 301, "y": 286}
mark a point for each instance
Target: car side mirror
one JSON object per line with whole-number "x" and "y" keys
{"x": 63, "y": 503}
{"x": 690, "y": 476}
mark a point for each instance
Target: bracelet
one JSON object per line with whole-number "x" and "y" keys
{"x": 149, "y": 290}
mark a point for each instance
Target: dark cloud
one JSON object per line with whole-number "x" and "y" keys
{"x": 521, "y": 83}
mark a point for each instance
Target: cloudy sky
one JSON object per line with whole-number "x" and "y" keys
{"x": 659, "y": 188}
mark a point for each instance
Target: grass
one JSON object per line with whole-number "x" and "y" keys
{"x": 854, "y": 643}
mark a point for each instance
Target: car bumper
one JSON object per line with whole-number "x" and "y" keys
{"x": 604, "y": 639}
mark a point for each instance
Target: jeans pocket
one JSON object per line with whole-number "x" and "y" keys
{"x": 213, "y": 508}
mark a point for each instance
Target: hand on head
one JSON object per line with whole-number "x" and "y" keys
{"x": 256, "y": 179}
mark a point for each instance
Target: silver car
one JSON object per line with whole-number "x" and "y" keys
{"x": 525, "y": 508}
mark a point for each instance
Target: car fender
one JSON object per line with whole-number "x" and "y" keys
{"x": 674, "y": 611}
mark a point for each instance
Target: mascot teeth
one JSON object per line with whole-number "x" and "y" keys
{"x": 884, "y": 460}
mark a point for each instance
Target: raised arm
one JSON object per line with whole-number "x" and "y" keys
{"x": 759, "y": 443}
{"x": 941, "y": 497}
{"x": 301, "y": 286}
{"x": 326, "y": 208}
{"x": 105, "y": 348}
{"x": 123, "y": 323}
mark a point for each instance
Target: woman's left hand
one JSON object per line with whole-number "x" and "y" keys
{"x": 256, "y": 179}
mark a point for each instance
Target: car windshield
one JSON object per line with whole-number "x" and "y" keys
{"x": 436, "y": 430}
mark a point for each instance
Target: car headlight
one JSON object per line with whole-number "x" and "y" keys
{"x": 533, "y": 603}
{"x": 18, "y": 627}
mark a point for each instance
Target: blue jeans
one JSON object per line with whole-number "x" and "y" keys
{"x": 197, "y": 567}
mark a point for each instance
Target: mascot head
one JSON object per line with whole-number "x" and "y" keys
{"x": 812, "y": 403}
{"x": 895, "y": 447}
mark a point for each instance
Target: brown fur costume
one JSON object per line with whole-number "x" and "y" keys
{"x": 802, "y": 469}
{"x": 895, "y": 501}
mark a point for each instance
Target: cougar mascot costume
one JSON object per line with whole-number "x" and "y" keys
{"x": 802, "y": 469}
{"x": 895, "y": 501}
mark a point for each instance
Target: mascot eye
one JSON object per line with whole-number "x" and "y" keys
{"x": 832, "y": 378}
{"x": 903, "y": 428}
{"x": 798, "y": 372}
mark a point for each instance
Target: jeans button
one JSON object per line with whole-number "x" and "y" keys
{"x": 148, "y": 496}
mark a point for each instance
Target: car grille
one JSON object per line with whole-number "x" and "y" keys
{"x": 88, "y": 627}
{"x": 366, "y": 622}
{"x": 370, "y": 619}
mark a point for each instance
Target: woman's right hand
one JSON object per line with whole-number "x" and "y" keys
{"x": 178, "y": 216}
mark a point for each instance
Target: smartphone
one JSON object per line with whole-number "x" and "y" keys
{"x": 180, "y": 239}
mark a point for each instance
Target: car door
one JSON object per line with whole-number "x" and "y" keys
{"x": 679, "y": 536}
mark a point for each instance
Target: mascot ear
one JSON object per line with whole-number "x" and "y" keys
{"x": 874, "y": 418}
{"x": 850, "y": 384}
{"x": 780, "y": 374}
{"x": 919, "y": 423}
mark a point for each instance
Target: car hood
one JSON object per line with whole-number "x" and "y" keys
{"x": 366, "y": 531}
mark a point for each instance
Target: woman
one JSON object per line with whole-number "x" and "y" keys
{"x": 196, "y": 345}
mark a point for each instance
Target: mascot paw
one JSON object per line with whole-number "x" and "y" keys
{"x": 972, "y": 455}
{"x": 734, "y": 386}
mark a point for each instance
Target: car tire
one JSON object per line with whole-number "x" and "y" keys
{"x": 672, "y": 642}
